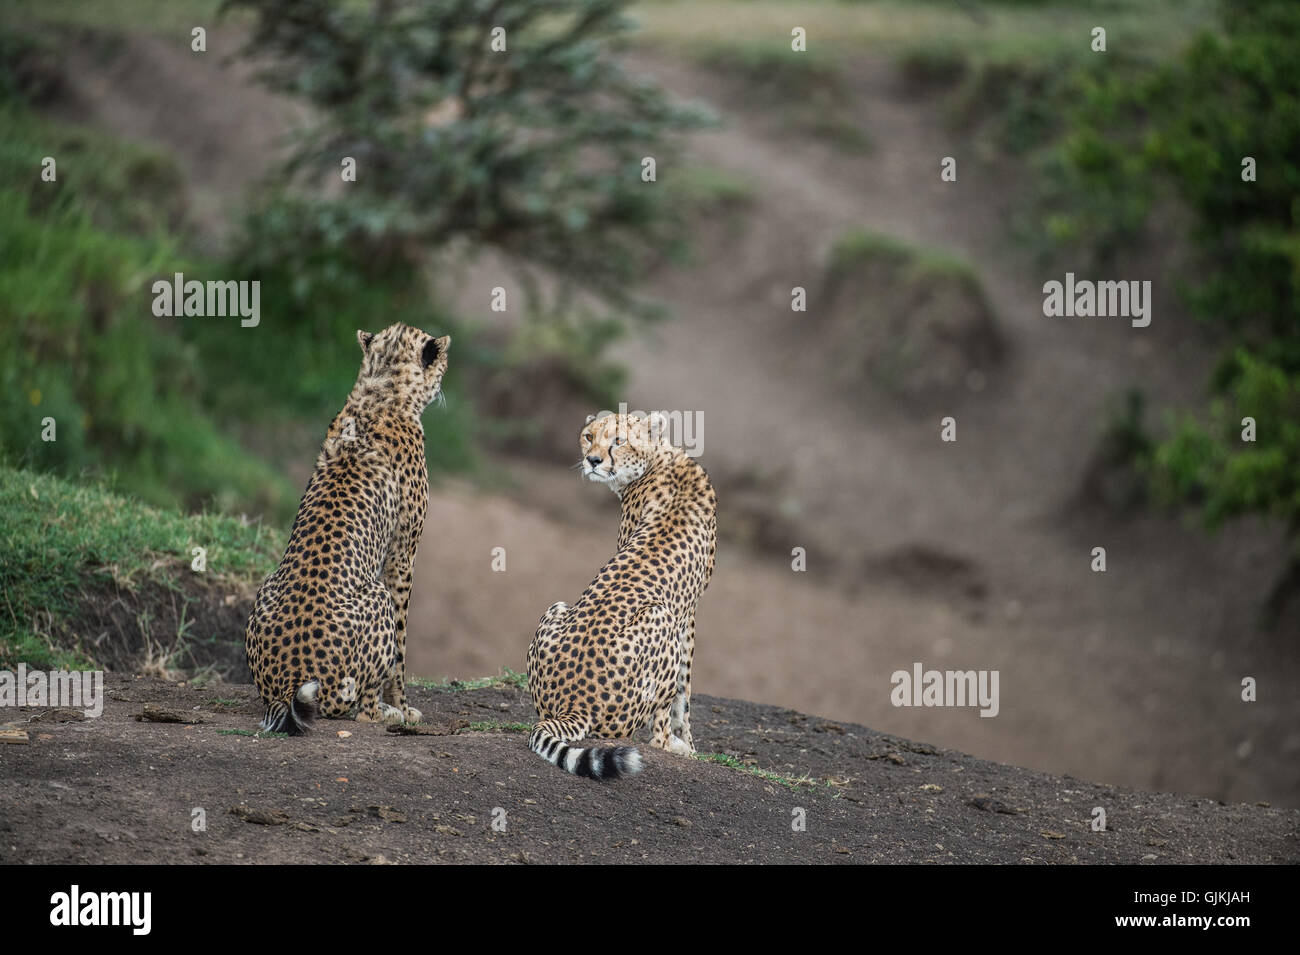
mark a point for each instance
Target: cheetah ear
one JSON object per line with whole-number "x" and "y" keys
{"x": 658, "y": 423}
{"x": 590, "y": 418}
{"x": 364, "y": 339}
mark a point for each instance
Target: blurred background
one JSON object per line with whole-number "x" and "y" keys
{"x": 516, "y": 178}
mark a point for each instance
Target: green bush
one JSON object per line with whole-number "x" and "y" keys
{"x": 79, "y": 345}
{"x": 323, "y": 275}
{"x": 536, "y": 150}
{"x": 1178, "y": 135}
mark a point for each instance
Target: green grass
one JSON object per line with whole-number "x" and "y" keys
{"x": 1013, "y": 66}
{"x": 60, "y": 537}
{"x": 496, "y": 726}
{"x": 121, "y": 187}
{"x": 916, "y": 263}
{"x": 23, "y": 645}
{"x": 507, "y": 678}
{"x": 731, "y": 762}
{"x": 79, "y": 347}
{"x": 172, "y": 17}
{"x": 775, "y": 71}
{"x": 170, "y": 409}
{"x": 807, "y": 95}
{"x": 834, "y": 26}
{"x": 709, "y": 189}
{"x": 840, "y": 31}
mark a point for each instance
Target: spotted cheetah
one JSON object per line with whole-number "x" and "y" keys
{"x": 622, "y": 654}
{"x": 328, "y": 629}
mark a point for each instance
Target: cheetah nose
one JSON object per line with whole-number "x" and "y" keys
{"x": 593, "y": 459}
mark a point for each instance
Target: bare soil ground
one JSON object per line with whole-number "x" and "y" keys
{"x": 114, "y": 790}
{"x": 967, "y": 555}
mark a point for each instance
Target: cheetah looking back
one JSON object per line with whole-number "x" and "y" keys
{"x": 328, "y": 628}
{"x": 621, "y": 655}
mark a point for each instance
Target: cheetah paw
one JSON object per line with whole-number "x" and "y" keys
{"x": 390, "y": 713}
{"x": 412, "y": 714}
{"x": 679, "y": 747}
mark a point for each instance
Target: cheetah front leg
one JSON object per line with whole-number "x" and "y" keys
{"x": 655, "y": 642}
{"x": 371, "y": 709}
{"x": 662, "y": 736}
{"x": 397, "y": 576}
{"x": 680, "y": 723}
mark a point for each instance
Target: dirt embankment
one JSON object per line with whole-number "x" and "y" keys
{"x": 116, "y": 790}
{"x": 973, "y": 554}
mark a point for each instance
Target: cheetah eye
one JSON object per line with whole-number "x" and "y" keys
{"x": 587, "y": 437}
{"x": 616, "y": 442}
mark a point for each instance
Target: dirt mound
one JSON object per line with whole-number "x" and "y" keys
{"x": 162, "y": 628}
{"x": 1130, "y": 676}
{"x": 911, "y": 323}
{"x": 793, "y": 788}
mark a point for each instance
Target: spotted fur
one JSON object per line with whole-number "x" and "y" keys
{"x": 328, "y": 628}
{"x": 621, "y": 656}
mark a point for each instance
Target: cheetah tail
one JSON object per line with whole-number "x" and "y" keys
{"x": 600, "y": 762}
{"x": 296, "y": 716}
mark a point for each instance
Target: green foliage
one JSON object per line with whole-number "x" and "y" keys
{"x": 1177, "y": 135}
{"x": 78, "y": 341}
{"x": 1238, "y": 95}
{"x": 173, "y": 17}
{"x": 27, "y": 74}
{"x": 79, "y": 345}
{"x": 775, "y": 72}
{"x": 1018, "y": 100}
{"x": 1227, "y": 476}
{"x": 536, "y": 151}
{"x": 59, "y": 538}
{"x": 22, "y": 645}
{"x": 119, "y": 187}
{"x": 298, "y": 365}
{"x": 855, "y": 249}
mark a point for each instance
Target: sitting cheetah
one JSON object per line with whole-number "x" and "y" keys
{"x": 328, "y": 628}
{"x": 622, "y": 654}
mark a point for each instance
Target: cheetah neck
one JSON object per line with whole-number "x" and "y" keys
{"x": 365, "y": 424}
{"x": 381, "y": 397}
{"x": 648, "y": 494}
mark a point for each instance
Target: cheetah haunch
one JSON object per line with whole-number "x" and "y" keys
{"x": 328, "y": 628}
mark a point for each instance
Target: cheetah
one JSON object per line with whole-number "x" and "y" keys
{"x": 327, "y": 633}
{"x": 621, "y": 655}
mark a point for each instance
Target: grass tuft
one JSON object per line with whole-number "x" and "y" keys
{"x": 507, "y": 678}
{"x": 60, "y": 539}
{"x": 731, "y": 762}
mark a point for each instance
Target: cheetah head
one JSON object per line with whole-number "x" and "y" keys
{"x": 404, "y": 364}
{"x": 618, "y": 448}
